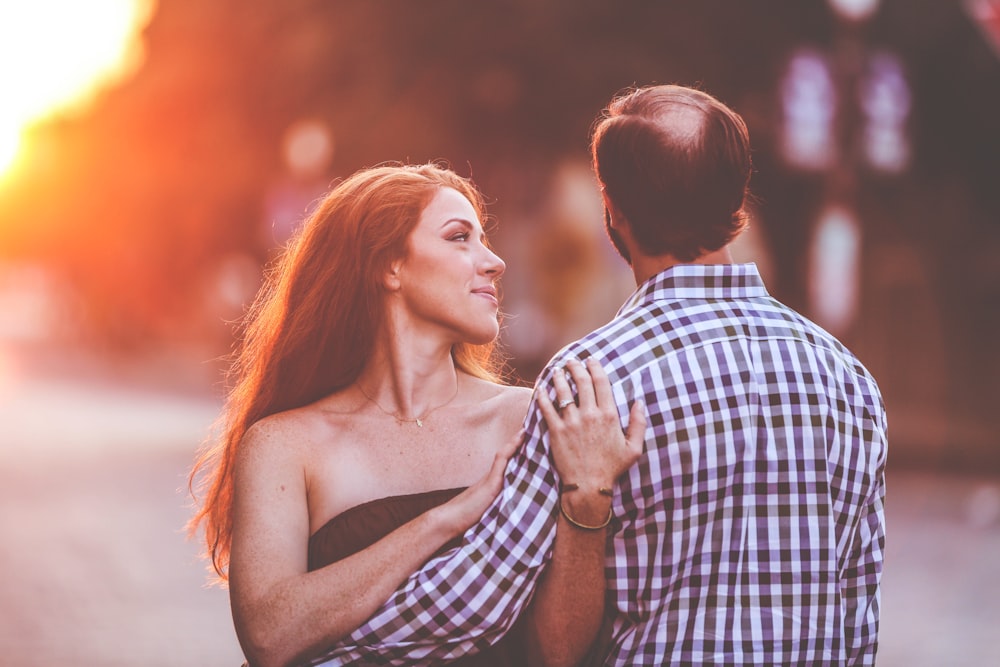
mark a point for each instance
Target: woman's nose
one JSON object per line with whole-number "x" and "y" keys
{"x": 494, "y": 266}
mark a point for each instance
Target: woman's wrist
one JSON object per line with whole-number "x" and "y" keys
{"x": 586, "y": 506}
{"x": 605, "y": 489}
{"x": 445, "y": 522}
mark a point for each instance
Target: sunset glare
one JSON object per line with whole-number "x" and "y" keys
{"x": 56, "y": 54}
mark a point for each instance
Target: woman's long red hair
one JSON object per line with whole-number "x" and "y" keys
{"x": 312, "y": 327}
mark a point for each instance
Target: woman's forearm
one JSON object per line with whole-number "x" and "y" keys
{"x": 303, "y": 613}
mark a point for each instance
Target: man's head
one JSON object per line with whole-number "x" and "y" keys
{"x": 674, "y": 162}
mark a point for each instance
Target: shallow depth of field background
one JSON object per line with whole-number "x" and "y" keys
{"x": 156, "y": 154}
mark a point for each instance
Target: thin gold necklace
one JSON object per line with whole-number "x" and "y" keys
{"x": 419, "y": 421}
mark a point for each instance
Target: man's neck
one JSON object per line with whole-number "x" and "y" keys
{"x": 645, "y": 267}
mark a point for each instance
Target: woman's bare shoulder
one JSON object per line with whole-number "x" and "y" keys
{"x": 289, "y": 434}
{"x": 481, "y": 389}
{"x": 515, "y": 397}
{"x": 509, "y": 402}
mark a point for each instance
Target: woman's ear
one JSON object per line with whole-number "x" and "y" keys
{"x": 392, "y": 278}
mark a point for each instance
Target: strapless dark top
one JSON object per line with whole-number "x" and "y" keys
{"x": 359, "y": 527}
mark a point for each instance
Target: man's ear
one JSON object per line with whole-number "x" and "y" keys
{"x": 616, "y": 219}
{"x": 614, "y": 216}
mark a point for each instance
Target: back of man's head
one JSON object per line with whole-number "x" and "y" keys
{"x": 675, "y": 162}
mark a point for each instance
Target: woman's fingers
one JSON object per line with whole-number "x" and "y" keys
{"x": 503, "y": 456}
{"x": 511, "y": 446}
{"x": 549, "y": 411}
{"x": 635, "y": 434}
{"x": 564, "y": 395}
{"x": 584, "y": 383}
{"x": 466, "y": 508}
{"x": 602, "y": 385}
{"x": 588, "y": 445}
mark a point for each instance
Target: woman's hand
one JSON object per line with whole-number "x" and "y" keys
{"x": 588, "y": 446}
{"x": 465, "y": 509}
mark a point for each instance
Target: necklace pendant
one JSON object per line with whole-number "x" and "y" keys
{"x": 419, "y": 423}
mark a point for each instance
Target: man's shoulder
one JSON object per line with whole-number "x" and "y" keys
{"x": 621, "y": 343}
{"x": 659, "y": 330}
{"x": 621, "y": 330}
{"x": 832, "y": 352}
{"x": 819, "y": 337}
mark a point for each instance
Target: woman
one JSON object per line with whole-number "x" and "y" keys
{"x": 365, "y": 411}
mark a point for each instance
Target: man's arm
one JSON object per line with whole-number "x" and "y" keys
{"x": 861, "y": 584}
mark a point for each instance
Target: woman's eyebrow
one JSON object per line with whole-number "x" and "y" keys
{"x": 468, "y": 224}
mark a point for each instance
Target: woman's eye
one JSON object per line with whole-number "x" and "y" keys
{"x": 461, "y": 236}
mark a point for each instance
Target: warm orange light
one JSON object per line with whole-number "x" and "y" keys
{"x": 56, "y": 54}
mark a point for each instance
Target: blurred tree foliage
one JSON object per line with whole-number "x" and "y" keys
{"x": 137, "y": 201}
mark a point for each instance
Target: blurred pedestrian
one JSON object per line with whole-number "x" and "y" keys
{"x": 366, "y": 411}
{"x": 752, "y": 529}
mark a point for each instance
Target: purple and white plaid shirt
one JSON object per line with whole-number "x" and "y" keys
{"x": 751, "y": 532}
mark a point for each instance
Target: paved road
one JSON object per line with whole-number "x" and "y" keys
{"x": 94, "y": 567}
{"x": 95, "y": 571}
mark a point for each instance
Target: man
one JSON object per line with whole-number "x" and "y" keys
{"x": 751, "y": 532}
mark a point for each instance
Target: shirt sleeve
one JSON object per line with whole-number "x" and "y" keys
{"x": 468, "y": 598}
{"x": 861, "y": 583}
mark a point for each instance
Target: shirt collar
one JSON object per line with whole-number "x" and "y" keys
{"x": 699, "y": 281}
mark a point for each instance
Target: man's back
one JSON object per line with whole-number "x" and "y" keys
{"x": 752, "y": 531}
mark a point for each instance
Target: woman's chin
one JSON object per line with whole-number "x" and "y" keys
{"x": 483, "y": 337}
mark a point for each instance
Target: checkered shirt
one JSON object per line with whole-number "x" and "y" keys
{"x": 751, "y": 532}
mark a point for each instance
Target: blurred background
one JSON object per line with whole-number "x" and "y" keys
{"x": 156, "y": 154}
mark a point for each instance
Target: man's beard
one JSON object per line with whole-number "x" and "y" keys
{"x": 616, "y": 239}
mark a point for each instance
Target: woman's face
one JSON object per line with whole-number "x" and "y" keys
{"x": 447, "y": 279}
